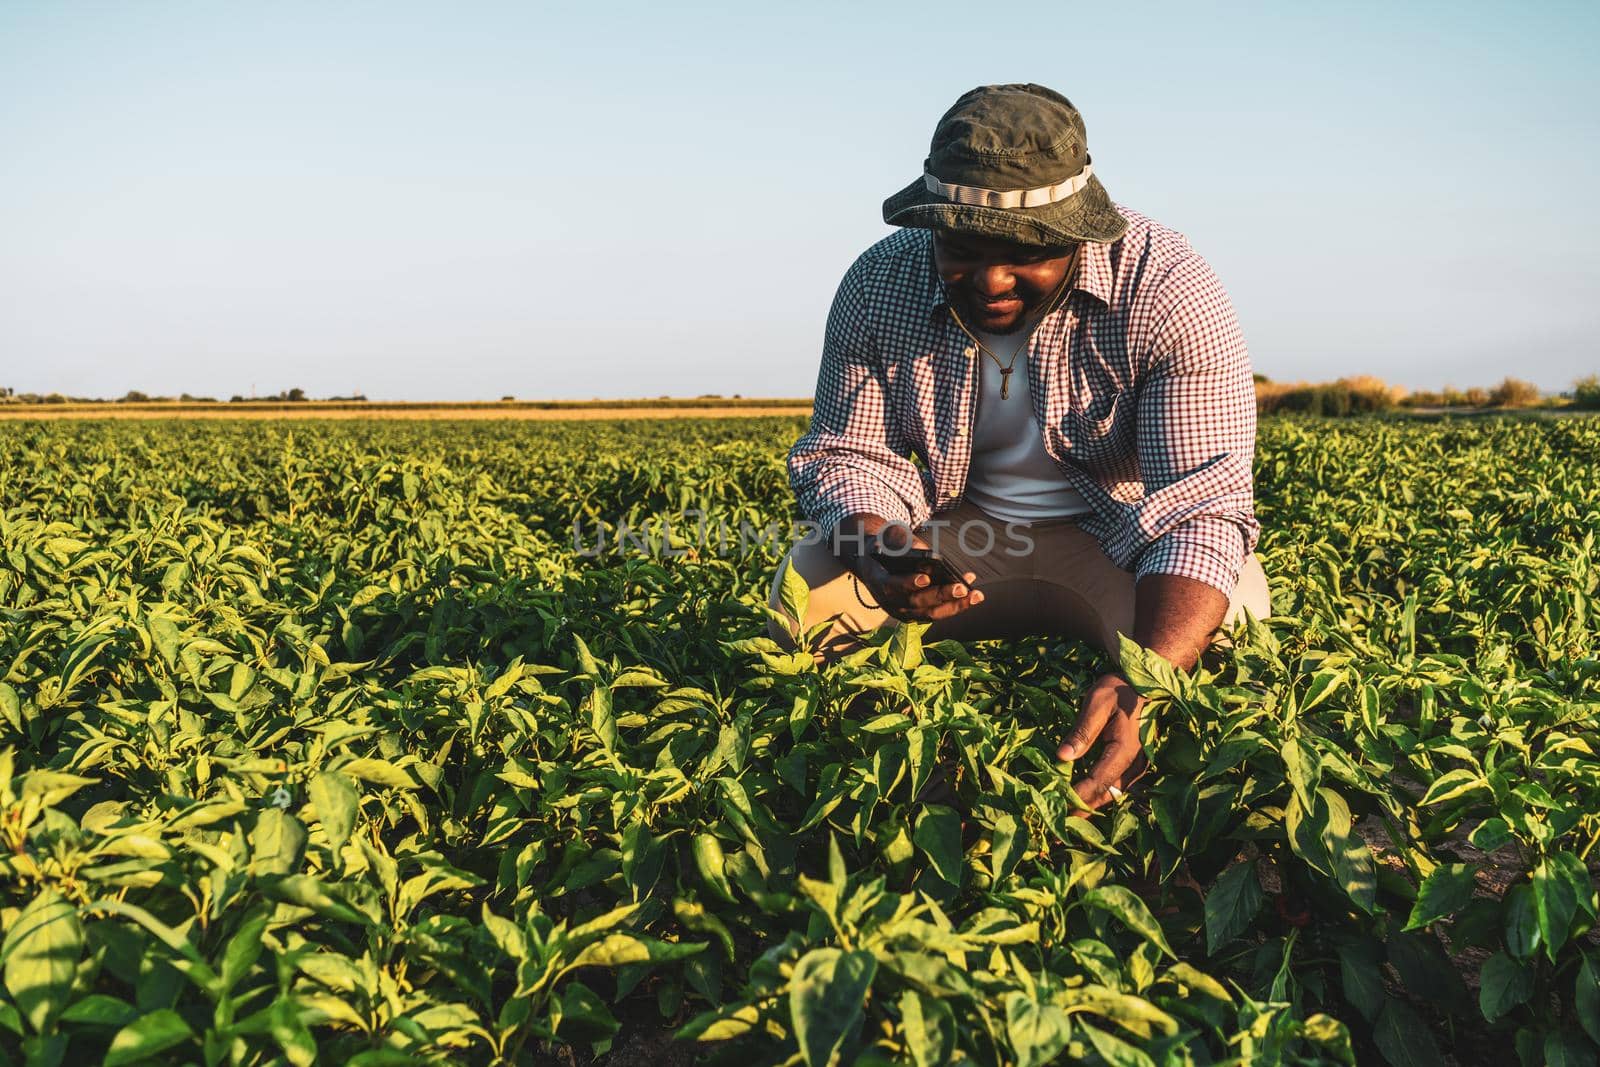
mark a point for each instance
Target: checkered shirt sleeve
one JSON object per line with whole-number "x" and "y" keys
{"x": 851, "y": 461}
{"x": 1196, "y": 430}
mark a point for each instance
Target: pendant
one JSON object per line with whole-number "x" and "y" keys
{"x": 1005, "y": 382}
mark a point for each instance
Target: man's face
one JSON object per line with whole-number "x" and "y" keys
{"x": 996, "y": 284}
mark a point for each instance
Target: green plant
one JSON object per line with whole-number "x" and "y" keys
{"x": 332, "y": 746}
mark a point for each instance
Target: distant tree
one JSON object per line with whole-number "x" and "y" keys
{"x": 1514, "y": 393}
{"x": 506, "y": 399}
{"x": 296, "y": 395}
{"x": 133, "y": 396}
{"x": 236, "y": 399}
{"x": 1586, "y": 392}
{"x": 1477, "y": 397}
{"x": 1260, "y": 378}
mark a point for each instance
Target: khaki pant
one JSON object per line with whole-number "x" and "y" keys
{"x": 1064, "y": 586}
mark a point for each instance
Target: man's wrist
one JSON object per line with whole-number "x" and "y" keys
{"x": 854, "y": 534}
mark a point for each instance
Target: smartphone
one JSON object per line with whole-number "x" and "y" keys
{"x": 918, "y": 561}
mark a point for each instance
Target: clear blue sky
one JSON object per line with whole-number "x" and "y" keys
{"x": 465, "y": 200}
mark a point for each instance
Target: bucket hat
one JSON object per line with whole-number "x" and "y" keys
{"x": 1012, "y": 162}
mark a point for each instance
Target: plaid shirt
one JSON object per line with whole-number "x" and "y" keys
{"x": 1140, "y": 380}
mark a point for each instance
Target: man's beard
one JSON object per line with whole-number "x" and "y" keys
{"x": 974, "y": 311}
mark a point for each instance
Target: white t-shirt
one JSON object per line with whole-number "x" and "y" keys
{"x": 1012, "y": 477}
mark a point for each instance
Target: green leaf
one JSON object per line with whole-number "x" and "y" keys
{"x": 337, "y": 801}
{"x": 97, "y": 1009}
{"x": 643, "y": 856}
{"x": 41, "y": 951}
{"x": 1231, "y": 905}
{"x": 1555, "y": 903}
{"x": 583, "y": 1016}
{"x": 1122, "y": 904}
{"x": 277, "y": 843}
{"x": 1404, "y": 1039}
{"x": 1146, "y": 670}
{"x": 695, "y": 916}
{"x": 1503, "y": 984}
{"x": 1490, "y": 834}
{"x": 1452, "y": 785}
{"x": 617, "y": 950}
{"x": 1332, "y": 1035}
{"x": 243, "y": 949}
{"x": 1521, "y": 922}
{"x": 1115, "y": 1051}
{"x": 794, "y": 594}
{"x": 1037, "y": 1031}
{"x": 1443, "y": 893}
{"x": 308, "y": 892}
{"x": 586, "y": 662}
{"x": 1586, "y": 999}
{"x": 929, "y": 1028}
{"x": 938, "y": 833}
{"x": 507, "y": 935}
{"x": 1306, "y": 830}
{"x": 152, "y": 1033}
{"x": 905, "y": 645}
{"x": 602, "y": 719}
{"x": 712, "y": 864}
{"x": 1009, "y": 840}
{"x": 1566, "y": 1048}
{"x": 378, "y": 772}
{"x": 1303, "y": 768}
{"x": 827, "y": 993}
{"x": 1357, "y": 872}
{"x": 52, "y": 787}
{"x": 291, "y": 1034}
{"x": 11, "y": 706}
{"x": 1361, "y": 979}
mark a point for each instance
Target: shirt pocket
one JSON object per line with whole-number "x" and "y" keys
{"x": 1101, "y": 431}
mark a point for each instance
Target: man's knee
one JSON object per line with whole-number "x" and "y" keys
{"x": 1249, "y": 595}
{"x": 829, "y": 595}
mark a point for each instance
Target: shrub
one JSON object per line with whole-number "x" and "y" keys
{"x": 1514, "y": 393}
{"x": 1586, "y": 392}
{"x": 1347, "y": 396}
{"x": 1476, "y": 397}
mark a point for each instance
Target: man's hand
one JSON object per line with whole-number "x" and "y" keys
{"x": 1110, "y": 713}
{"x": 907, "y": 597}
{"x": 1174, "y": 617}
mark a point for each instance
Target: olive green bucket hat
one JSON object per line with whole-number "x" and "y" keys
{"x": 1010, "y": 161}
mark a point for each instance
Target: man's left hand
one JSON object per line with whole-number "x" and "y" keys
{"x": 1110, "y": 712}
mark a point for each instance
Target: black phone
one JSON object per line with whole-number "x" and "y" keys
{"x": 919, "y": 561}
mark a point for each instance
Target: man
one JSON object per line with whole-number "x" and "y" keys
{"x": 1075, "y": 383}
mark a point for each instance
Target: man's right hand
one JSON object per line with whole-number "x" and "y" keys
{"x": 907, "y": 597}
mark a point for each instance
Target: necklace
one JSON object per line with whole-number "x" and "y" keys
{"x": 1007, "y": 368}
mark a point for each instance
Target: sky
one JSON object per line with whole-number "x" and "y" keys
{"x": 453, "y": 201}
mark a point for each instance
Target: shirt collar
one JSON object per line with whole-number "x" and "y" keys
{"x": 1094, "y": 276}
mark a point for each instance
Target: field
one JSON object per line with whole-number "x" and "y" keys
{"x": 332, "y": 743}
{"x": 664, "y": 408}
